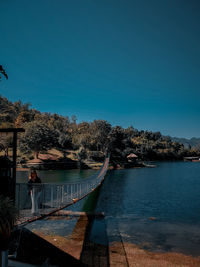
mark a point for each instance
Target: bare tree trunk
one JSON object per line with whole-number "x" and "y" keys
{"x": 6, "y": 151}
{"x": 36, "y": 153}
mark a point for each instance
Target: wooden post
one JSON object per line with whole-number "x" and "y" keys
{"x": 14, "y": 164}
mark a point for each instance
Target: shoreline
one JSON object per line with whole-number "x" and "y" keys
{"x": 135, "y": 256}
{"x": 54, "y": 165}
{"x": 76, "y": 248}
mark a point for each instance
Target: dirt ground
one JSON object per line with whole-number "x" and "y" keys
{"x": 136, "y": 257}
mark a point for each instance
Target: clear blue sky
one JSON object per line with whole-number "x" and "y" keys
{"x": 129, "y": 62}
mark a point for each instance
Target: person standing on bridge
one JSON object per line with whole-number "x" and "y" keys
{"x": 34, "y": 186}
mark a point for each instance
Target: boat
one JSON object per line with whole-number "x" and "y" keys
{"x": 149, "y": 165}
{"x": 193, "y": 159}
{"x": 196, "y": 160}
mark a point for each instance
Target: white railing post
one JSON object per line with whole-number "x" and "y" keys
{"x": 55, "y": 195}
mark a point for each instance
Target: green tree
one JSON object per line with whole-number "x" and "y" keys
{"x": 116, "y": 144}
{"x": 81, "y": 156}
{"x": 8, "y": 216}
{"x": 100, "y": 130}
{"x": 7, "y": 111}
{"x": 23, "y": 117}
{"x": 61, "y": 125}
{"x": 38, "y": 137}
{"x": 6, "y": 142}
{"x": 82, "y": 136}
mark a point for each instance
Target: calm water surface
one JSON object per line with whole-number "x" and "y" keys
{"x": 156, "y": 208}
{"x": 168, "y": 194}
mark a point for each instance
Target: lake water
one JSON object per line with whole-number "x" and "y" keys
{"x": 155, "y": 208}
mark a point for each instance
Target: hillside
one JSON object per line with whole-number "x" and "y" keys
{"x": 193, "y": 142}
{"x": 89, "y": 140}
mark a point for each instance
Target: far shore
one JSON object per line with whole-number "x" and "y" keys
{"x": 95, "y": 166}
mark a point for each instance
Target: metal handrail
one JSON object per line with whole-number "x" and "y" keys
{"x": 44, "y": 198}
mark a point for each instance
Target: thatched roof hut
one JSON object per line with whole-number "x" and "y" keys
{"x": 132, "y": 156}
{"x": 34, "y": 162}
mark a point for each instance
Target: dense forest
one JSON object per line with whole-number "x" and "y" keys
{"x": 89, "y": 140}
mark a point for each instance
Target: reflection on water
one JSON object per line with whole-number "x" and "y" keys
{"x": 56, "y": 176}
{"x": 169, "y": 192}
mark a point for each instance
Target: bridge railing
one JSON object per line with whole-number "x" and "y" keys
{"x": 38, "y": 199}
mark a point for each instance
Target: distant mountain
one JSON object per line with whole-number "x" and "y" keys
{"x": 193, "y": 142}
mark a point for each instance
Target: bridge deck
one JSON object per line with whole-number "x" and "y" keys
{"x": 49, "y": 198}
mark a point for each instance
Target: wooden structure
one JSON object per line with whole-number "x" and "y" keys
{"x": 132, "y": 157}
{"x": 56, "y": 196}
{"x": 5, "y": 176}
{"x": 15, "y": 131}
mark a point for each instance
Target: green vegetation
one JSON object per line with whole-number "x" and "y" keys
{"x": 8, "y": 216}
{"x": 87, "y": 140}
{"x": 38, "y": 137}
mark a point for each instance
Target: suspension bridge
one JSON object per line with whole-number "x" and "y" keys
{"x": 55, "y": 196}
